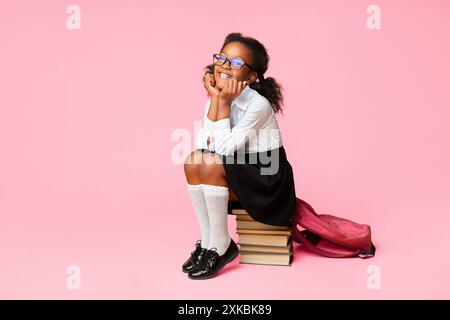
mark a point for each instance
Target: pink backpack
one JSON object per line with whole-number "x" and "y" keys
{"x": 329, "y": 235}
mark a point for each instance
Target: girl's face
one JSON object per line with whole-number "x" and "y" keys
{"x": 235, "y": 49}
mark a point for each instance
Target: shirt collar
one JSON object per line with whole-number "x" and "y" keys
{"x": 243, "y": 99}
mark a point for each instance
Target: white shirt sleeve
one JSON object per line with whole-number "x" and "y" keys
{"x": 227, "y": 140}
{"x": 206, "y": 131}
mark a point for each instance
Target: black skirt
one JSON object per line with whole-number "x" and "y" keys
{"x": 263, "y": 183}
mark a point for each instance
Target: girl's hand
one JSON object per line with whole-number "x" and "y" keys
{"x": 231, "y": 90}
{"x": 210, "y": 85}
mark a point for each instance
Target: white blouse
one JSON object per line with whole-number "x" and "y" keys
{"x": 252, "y": 125}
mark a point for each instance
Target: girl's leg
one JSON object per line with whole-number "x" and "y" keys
{"x": 211, "y": 172}
{"x": 192, "y": 172}
{"x": 192, "y": 167}
{"x": 216, "y": 191}
{"x": 195, "y": 190}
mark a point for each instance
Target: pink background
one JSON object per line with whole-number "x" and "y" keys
{"x": 87, "y": 176}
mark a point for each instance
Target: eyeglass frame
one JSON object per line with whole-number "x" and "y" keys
{"x": 229, "y": 59}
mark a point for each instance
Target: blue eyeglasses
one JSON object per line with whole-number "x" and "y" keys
{"x": 235, "y": 63}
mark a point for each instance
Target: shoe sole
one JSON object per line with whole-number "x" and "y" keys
{"x": 213, "y": 275}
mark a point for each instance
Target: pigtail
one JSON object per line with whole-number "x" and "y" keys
{"x": 271, "y": 90}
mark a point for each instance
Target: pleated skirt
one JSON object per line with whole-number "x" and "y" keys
{"x": 263, "y": 183}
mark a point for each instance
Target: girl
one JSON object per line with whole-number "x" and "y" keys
{"x": 239, "y": 160}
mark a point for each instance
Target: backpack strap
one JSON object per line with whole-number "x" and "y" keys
{"x": 367, "y": 253}
{"x": 311, "y": 236}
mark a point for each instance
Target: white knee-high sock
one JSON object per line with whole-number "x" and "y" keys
{"x": 217, "y": 203}
{"x": 199, "y": 204}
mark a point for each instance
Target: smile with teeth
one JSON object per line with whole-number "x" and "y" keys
{"x": 224, "y": 76}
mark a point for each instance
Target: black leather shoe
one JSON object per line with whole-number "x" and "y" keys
{"x": 211, "y": 263}
{"x": 194, "y": 259}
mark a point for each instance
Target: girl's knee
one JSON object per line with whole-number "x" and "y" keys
{"x": 211, "y": 158}
{"x": 192, "y": 163}
{"x": 211, "y": 167}
{"x": 193, "y": 158}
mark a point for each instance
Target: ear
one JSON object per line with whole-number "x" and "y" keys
{"x": 252, "y": 77}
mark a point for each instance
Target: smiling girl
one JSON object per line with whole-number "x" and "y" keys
{"x": 237, "y": 150}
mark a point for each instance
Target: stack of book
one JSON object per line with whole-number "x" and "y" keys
{"x": 262, "y": 243}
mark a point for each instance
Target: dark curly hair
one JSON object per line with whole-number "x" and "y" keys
{"x": 267, "y": 87}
